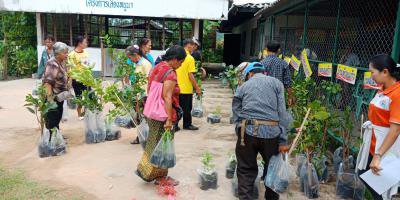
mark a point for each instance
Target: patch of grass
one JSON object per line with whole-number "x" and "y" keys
{"x": 15, "y": 186}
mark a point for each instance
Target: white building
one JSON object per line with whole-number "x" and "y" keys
{"x": 166, "y": 22}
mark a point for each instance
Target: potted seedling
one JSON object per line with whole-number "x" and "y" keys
{"x": 51, "y": 142}
{"x": 208, "y": 176}
{"x": 347, "y": 182}
{"x": 92, "y": 101}
{"x": 163, "y": 155}
{"x": 215, "y": 117}
{"x": 231, "y": 166}
{"x": 112, "y": 131}
{"x": 312, "y": 147}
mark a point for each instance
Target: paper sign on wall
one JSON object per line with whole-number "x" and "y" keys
{"x": 306, "y": 64}
{"x": 295, "y": 63}
{"x": 346, "y": 74}
{"x": 325, "y": 69}
{"x": 369, "y": 83}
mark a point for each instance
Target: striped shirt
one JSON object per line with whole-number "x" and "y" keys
{"x": 278, "y": 69}
{"x": 262, "y": 98}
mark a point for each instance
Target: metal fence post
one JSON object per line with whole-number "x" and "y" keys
{"x": 396, "y": 38}
{"x": 335, "y": 46}
{"x": 305, "y": 29}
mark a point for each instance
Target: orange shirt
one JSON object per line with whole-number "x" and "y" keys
{"x": 384, "y": 109}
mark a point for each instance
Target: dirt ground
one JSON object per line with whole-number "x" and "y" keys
{"x": 106, "y": 170}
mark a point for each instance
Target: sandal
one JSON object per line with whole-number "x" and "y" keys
{"x": 136, "y": 141}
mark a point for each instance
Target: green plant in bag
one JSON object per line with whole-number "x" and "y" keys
{"x": 206, "y": 160}
{"x": 39, "y": 106}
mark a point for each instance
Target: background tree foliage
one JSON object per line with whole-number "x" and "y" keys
{"x": 18, "y": 44}
{"x": 212, "y": 52}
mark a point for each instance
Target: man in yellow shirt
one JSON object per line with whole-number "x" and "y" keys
{"x": 186, "y": 83}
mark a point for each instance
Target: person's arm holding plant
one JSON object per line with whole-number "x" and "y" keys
{"x": 168, "y": 89}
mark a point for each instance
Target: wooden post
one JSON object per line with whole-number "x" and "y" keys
{"x": 70, "y": 30}
{"x": 148, "y": 35}
{"x": 53, "y": 20}
{"x": 5, "y": 63}
{"x": 181, "y": 31}
{"x": 163, "y": 35}
{"x": 133, "y": 30}
{"x": 294, "y": 144}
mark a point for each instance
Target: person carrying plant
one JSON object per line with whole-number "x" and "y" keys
{"x": 56, "y": 82}
{"x": 163, "y": 73}
{"x": 46, "y": 55}
{"x": 79, "y": 58}
{"x": 278, "y": 68}
{"x": 381, "y": 135}
{"x": 145, "y": 47}
{"x": 261, "y": 119}
{"x": 186, "y": 83}
{"x": 140, "y": 65}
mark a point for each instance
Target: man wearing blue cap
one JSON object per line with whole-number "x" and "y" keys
{"x": 259, "y": 112}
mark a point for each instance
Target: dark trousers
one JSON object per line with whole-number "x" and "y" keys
{"x": 375, "y": 195}
{"x": 247, "y": 169}
{"x": 53, "y": 117}
{"x": 186, "y": 103}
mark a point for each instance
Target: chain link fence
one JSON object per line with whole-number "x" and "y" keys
{"x": 339, "y": 32}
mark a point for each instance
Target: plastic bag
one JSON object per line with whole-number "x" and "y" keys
{"x": 277, "y": 177}
{"x": 231, "y": 167}
{"x": 348, "y": 184}
{"x": 163, "y": 155}
{"x": 71, "y": 104}
{"x": 198, "y": 107}
{"x": 322, "y": 169}
{"x": 212, "y": 118}
{"x": 65, "y": 112}
{"x": 36, "y": 86}
{"x": 338, "y": 158}
{"x": 51, "y": 143}
{"x": 309, "y": 180}
{"x": 126, "y": 120}
{"x": 143, "y": 132}
{"x": 112, "y": 131}
{"x": 208, "y": 179}
{"x": 256, "y": 187}
{"x": 95, "y": 131}
{"x": 300, "y": 159}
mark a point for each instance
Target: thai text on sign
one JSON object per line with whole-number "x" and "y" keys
{"x": 305, "y": 63}
{"x": 325, "y": 69}
{"x": 346, "y": 74}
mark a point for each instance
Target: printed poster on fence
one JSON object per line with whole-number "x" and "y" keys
{"x": 295, "y": 63}
{"x": 346, "y": 74}
{"x": 325, "y": 69}
{"x": 305, "y": 63}
{"x": 287, "y": 60}
{"x": 369, "y": 83}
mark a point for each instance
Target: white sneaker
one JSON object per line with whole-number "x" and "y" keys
{"x": 81, "y": 118}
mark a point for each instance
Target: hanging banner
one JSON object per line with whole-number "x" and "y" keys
{"x": 346, "y": 74}
{"x": 369, "y": 83}
{"x": 306, "y": 64}
{"x": 295, "y": 63}
{"x": 325, "y": 69}
{"x": 287, "y": 60}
